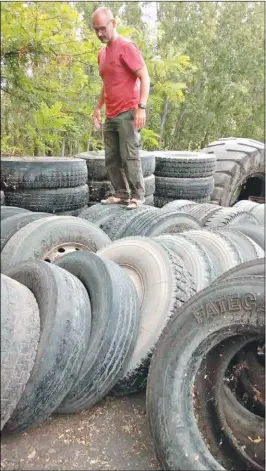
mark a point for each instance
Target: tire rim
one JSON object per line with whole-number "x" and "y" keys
{"x": 59, "y": 251}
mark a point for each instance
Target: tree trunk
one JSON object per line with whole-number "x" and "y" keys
{"x": 163, "y": 118}
{"x": 63, "y": 147}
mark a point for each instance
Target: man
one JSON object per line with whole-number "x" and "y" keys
{"x": 124, "y": 93}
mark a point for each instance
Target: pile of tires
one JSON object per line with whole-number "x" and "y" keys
{"x": 105, "y": 311}
{"x": 99, "y": 184}
{"x": 46, "y": 184}
{"x": 240, "y": 169}
{"x": 206, "y": 386}
{"x": 183, "y": 175}
{"x": 88, "y": 331}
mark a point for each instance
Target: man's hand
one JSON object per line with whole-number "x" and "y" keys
{"x": 97, "y": 118}
{"x": 140, "y": 118}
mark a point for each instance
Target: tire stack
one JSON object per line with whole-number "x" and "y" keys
{"x": 240, "y": 169}
{"x": 47, "y": 184}
{"x": 183, "y": 175}
{"x": 99, "y": 184}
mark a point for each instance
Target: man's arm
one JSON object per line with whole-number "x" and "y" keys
{"x": 97, "y": 112}
{"x": 140, "y": 115}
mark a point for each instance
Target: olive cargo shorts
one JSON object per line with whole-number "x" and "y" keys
{"x": 122, "y": 159}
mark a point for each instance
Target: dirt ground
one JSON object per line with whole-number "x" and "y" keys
{"x": 114, "y": 435}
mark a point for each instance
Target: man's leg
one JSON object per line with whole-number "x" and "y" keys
{"x": 129, "y": 151}
{"x": 113, "y": 162}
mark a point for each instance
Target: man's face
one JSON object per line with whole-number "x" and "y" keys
{"x": 104, "y": 29}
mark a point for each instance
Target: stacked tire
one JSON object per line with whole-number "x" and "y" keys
{"x": 46, "y": 184}
{"x": 240, "y": 169}
{"x": 183, "y": 175}
{"x": 99, "y": 184}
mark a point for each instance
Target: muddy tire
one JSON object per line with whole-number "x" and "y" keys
{"x": 65, "y": 315}
{"x": 49, "y": 238}
{"x": 237, "y": 160}
{"x": 28, "y": 173}
{"x": 202, "y": 212}
{"x": 115, "y": 324}
{"x": 201, "y": 324}
{"x": 49, "y": 200}
{"x": 184, "y": 164}
{"x": 163, "y": 284}
{"x": 20, "y": 331}
{"x": 9, "y": 211}
{"x": 13, "y": 224}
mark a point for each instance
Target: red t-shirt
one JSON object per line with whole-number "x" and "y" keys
{"x": 117, "y": 64}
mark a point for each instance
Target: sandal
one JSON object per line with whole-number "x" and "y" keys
{"x": 114, "y": 200}
{"x": 134, "y": 204}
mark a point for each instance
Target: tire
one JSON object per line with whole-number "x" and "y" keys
{"x": 114, "y": 221}
{"x": 96, "y": 164}
{"x": 28, "y": 173}
{"x": 147, "y": 163}
{"x": 149, "y": 200}
{"x": 193, "y": 255}
{"x": 99, "y": 189}
{"x": 115, "y": 325}
{"x": 9, "y": 211}
{"x": 186, "y": 188}
{"x": 20, "y": 331}
{"x": 226, "y": 424}
{"x": 161, "y": 201}
{"x": 202, "y": 212}
{"x": 251, "y": 268}
{"x": 65, "y": 314}
{"x": 200, "y": 325}
{"x": 11, "y": 225}
{"x": 179, "y": 204}
{"x": 50, "y": 201}
{"x": 152, "y": 224}
{"x": 184, "y": 164}
{"x": 247, "y": 247}
{"x": 259, "y": 213}
{"x": 230, "y": 216}
{"x": 2, "y": 198}
{"x": 163, "y": 283}
{"x": 237, "y": 159}
{"x": 47, "y": 239}
{"x": 245, "y": 205}
{"x": 149, "y": 183}
{"x": 75, "y": 212}
{"x": 256, "y": 233}
{"x": 222, "y": 252}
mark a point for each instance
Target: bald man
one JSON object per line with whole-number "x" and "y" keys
{"x": 124, "y": 93}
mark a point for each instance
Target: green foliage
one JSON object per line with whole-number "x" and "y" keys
{"x": 205, "y": 59}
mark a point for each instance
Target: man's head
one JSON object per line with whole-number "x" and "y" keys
{"x": 104, "y": 24}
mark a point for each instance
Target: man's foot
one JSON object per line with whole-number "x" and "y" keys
{"x": 114, "y": 200}
{"x": 134, "y": 204}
